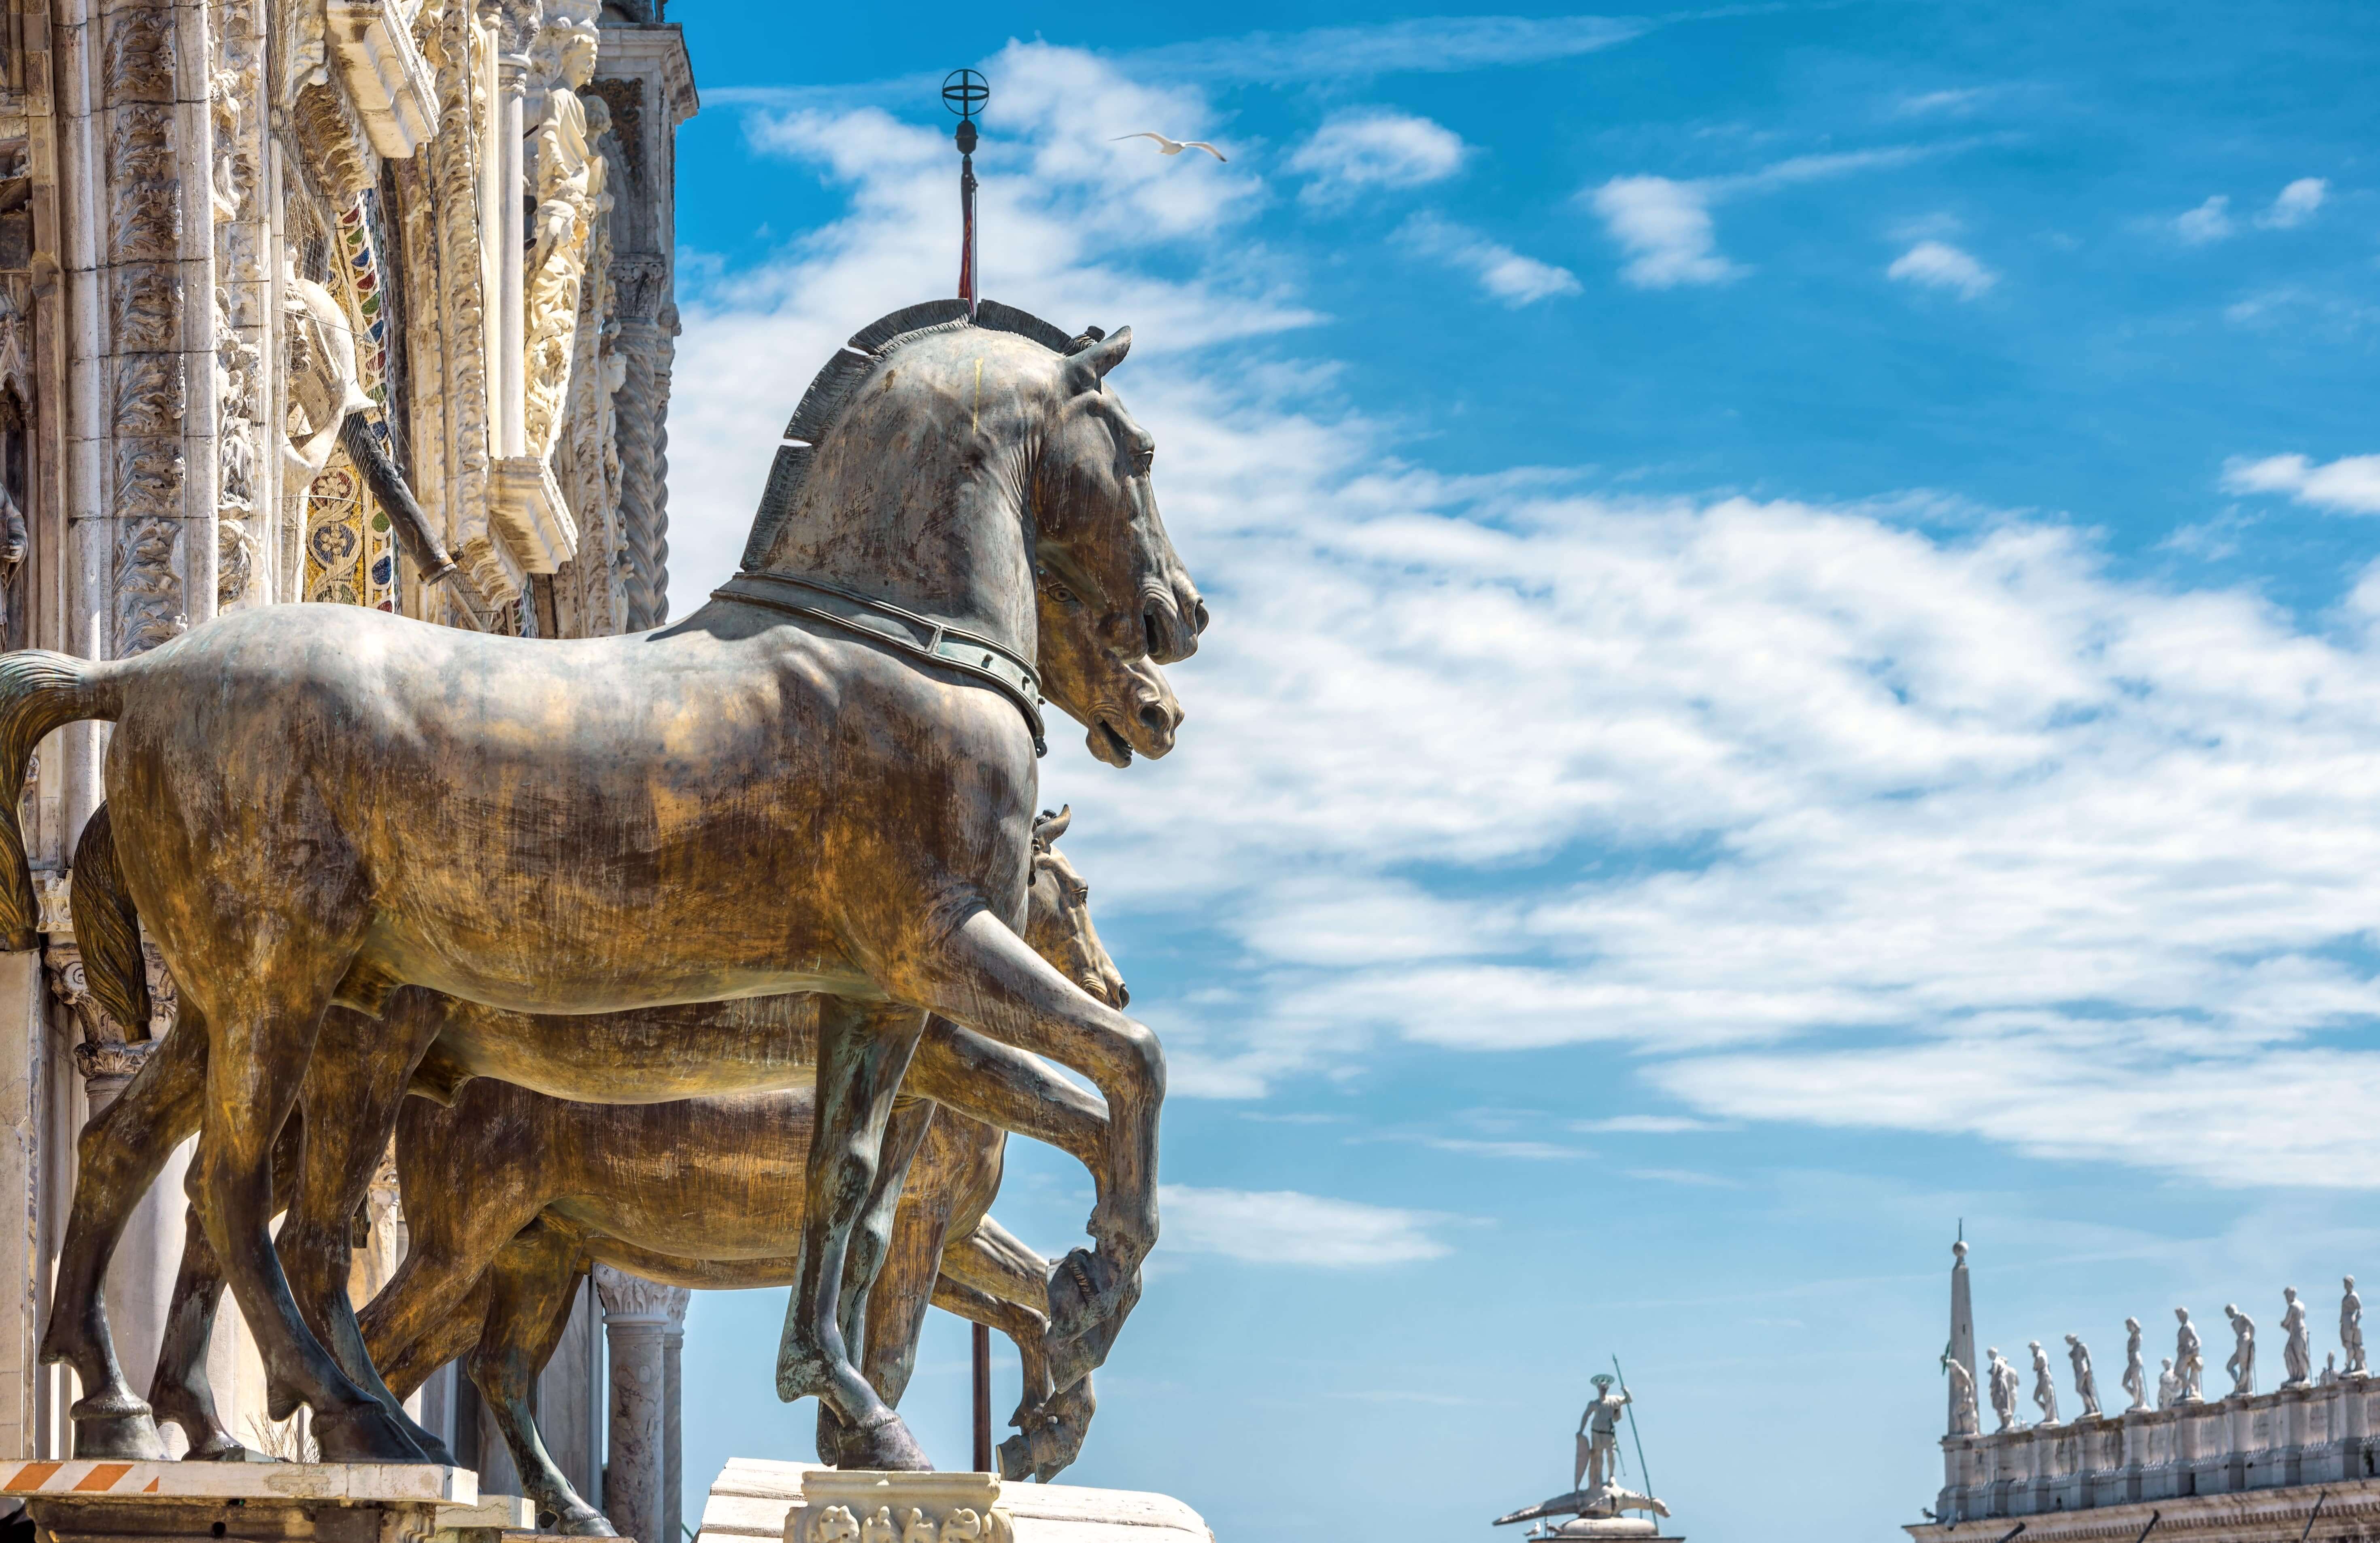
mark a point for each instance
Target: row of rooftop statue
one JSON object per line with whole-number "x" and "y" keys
{"x": 2182, "y": 1378}
{"x": 725, "y": 953}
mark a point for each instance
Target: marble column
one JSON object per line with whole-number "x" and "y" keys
{"x": 642, "y": 1322}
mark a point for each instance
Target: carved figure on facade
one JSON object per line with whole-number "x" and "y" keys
{"x": 2242, "y": 1364}
{"x": 322, "y": 378}
{"x": 2136, "y": 1381}
{"x": 2188, "y": 1362}
{"x": 2168, "y": 1384}
{"x": 2004, "y": 1383}
{"x": 2087, "y": 1387}
{"x": 2297, "y": 1345}
{"x": 2351, "y": 1330}
{"x": 571, "y": 194}
{"x": 2045, "y": 1392}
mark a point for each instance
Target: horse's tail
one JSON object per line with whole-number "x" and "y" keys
{"x": 107, "y": 930}
{"x": 38, "y": 691}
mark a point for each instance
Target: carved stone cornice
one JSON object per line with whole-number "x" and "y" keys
{"x": 385, "y": 74}
{"x": 526, "y": 506}
{"x": 632, "y": 1300}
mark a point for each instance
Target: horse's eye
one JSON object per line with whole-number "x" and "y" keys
{"x": 1083, "y": 895}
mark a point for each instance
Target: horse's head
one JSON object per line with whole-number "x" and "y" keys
{"x": 1126, "y": 704}
{"x": 1058, "y": 916}
{"x": 1094, "y": 515}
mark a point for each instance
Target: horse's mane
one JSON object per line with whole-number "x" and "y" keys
{"x": 821, "y": 406}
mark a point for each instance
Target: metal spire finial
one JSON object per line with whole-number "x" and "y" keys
{"x": 966, "y": 93}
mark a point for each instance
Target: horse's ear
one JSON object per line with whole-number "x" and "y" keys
{"x": 1050, "y": 827}
{"x": 1087, "y": 369}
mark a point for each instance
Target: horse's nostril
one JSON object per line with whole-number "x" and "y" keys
{"x": 1124, "y": 994}
{"x": 1152, "y": 630}
{"x": 1198, "y": 616}
{"x": 1155, "y": 718}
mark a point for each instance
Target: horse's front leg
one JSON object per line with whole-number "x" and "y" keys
{"x": 987, "y": 977}
{"x": 120, "y": 1153}
{"x": 863, "y": 1049}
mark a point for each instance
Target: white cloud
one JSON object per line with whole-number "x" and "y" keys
{"x": 1506, "y": 275}
{"x": 1284, "y": 1227}
{"x": 1642, "y": 1124}
{"x": 1376, "y": 149}
{"x": 2350, "y": 485}
{"x": 1946, "y": 833}
{"x": 1665, "y": 227}
{"x": 1939, "y": 265}
{"x": 2296, "y": 204}
{"x": 2210, "y": 220}
{"x": 1944, "y": 103}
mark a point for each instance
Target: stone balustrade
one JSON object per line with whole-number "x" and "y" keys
{"x": 2319, "y": 1433}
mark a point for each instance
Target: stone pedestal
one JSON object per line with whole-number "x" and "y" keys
{"x": 86, "y": 1501}
{"x": 758, "y": 1501}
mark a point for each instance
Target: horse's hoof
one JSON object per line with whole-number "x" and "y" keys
{"x": 585, "y": 1521}
{"x": 887, "y": 1447}
{"x": 219, "y": 1447}
{"x": 366, "y": 1433}
{"x": 1015, "y": 1460}
{"x": 117, "y": 1425}
{"x": 833, "y": 1436}
{"x": 433, "y": 1449}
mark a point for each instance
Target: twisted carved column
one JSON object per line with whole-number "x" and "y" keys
{"x": 640, "y": 280}
{"x": 644, "y": 1324}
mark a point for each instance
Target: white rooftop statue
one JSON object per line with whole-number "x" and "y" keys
{"x": 1597, "y": 1503}
{"x": 2136, "y": 1377}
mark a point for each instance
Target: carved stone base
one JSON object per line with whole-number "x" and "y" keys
{"x": 857, "y": 1505}
{"x": 88, "y": 1501}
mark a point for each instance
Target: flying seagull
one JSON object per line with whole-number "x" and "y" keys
{"x": 1174, "y": 147}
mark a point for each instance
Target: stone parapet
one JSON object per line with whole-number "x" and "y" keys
{"x": 2312, "y": 1435}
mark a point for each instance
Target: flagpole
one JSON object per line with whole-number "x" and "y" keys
{"x": 1634, "y": 1435}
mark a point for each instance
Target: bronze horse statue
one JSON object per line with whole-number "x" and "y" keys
{"x": 823, "y": 781}
{"x": 511, "y": 1194}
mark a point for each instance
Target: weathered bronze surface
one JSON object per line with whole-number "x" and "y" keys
{"x": 333, "y": 804}
{"x": 511, "y": 1193}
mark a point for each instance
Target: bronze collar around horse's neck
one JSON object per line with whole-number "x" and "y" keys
{"x": 970, "y": 653}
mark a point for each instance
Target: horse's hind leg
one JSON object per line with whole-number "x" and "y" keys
{"x": 255, "y": 1065}
{"x": 354, "y": 1084}
{"x": 120, "y": 1151}
{"x": 863, "y": 1049}
{"x": 180, "y": 1391}
{"x": 528, "y": 1305}
{"x": 890, "y": 1273}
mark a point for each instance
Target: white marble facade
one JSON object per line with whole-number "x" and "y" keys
{"x": 228, "y": 228}
{"x": 2189, "y": 1458}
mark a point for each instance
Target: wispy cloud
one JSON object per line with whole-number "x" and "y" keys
{"x": 1664, "y": 225}
{"x": 1643, "y": 1125}
{"x": 2210, "y": 220}
{"x": 2295, "y": 204}
{"x": 1284, "y": 1227}
{"x": 1504, "y": 274}
{"x": 2350, "y": 485}
{"x": 1956, "y": 102}
{"x": 1375, "y": 148}
{"x": 1429, "y": 45}
{"x": 1683, "y": 1176}
{"x": 1939, "y": 265}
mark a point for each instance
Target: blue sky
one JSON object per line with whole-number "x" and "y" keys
{"x": 1793, "y": 662}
